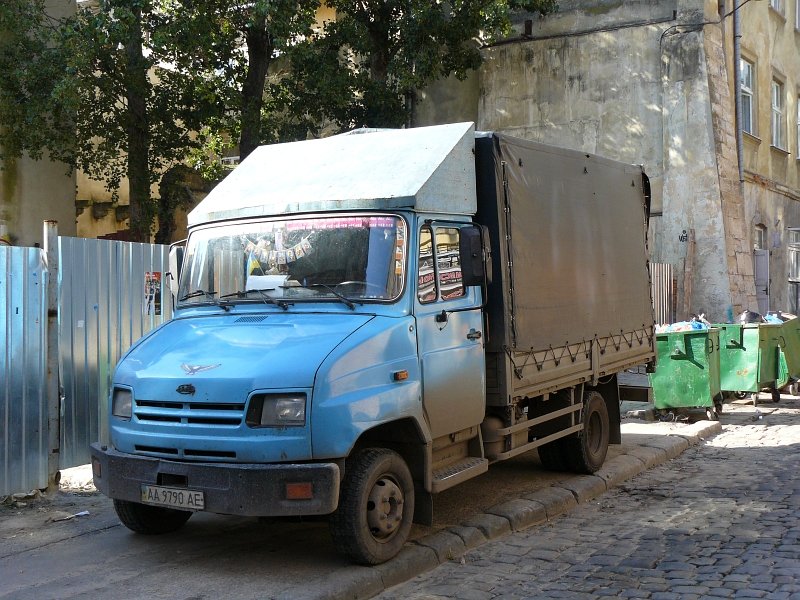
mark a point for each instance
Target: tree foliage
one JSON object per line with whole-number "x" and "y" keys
{"x": 36, "y": 111}
{"x": 230, "y": 47}
{"x": 129, "y": 88}
{"x": 364, "y": 68}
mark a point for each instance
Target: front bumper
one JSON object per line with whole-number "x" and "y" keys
{"x": 255, "y": 490}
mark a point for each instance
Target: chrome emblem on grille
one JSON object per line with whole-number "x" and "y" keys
{"x": 192, "y": 369}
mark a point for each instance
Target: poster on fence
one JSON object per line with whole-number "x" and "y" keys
{"x": 152, "y": 293}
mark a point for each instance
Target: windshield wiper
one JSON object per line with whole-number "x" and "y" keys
{"x": 350, "y": 304}
{"x": 209, "y": 296}
{"x": 263, "y": 292}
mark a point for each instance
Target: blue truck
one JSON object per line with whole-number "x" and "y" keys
{"x": 365, "y": 320}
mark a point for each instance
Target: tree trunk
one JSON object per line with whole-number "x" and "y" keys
{"x": 138, "y": 132}
{"x": 259, "y": 52}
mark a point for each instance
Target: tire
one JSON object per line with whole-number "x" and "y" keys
{"x": 376, "y": 507}
{"x": 552, "y": 456}
{"x": 586, "y": 452}
{"x": 150, "y": 520}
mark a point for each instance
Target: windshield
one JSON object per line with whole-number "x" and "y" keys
{"x": 342, "y": 258}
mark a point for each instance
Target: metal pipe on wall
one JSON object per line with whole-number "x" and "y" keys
{"x": 52, "y": 390}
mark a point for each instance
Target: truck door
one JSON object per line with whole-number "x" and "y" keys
{"x": 449, "y": 334}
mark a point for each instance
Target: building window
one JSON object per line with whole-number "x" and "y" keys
{"x": 797, "y": 14}
{"x": 778, "y": 134}
{"x": 760, "y": 237}
{"x": 794, "y": 269}
{"x": 776, "y": 5}
{"x": 440, "y": 275}
{"x": 746, "y": 93}
{"x": 798, "y": 126}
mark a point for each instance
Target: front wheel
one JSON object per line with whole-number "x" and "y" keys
{"x": 151, "y": 520}
{"x": 586, "y": 453}
{"x": 376, "y": 507}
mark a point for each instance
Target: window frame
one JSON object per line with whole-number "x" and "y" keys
{"x": 438, "y": 283}
{"x": 797, "y": 128}
{"x": 777, "y": 113}
{"x": 747, "y": 91}
{"x": 760, "y": 237}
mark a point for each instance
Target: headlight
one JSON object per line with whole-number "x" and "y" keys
{"x": 277, "y": 410}
{"x": 121, "y": 403}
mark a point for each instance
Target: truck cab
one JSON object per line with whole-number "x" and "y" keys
{"x": 301, "y": 334}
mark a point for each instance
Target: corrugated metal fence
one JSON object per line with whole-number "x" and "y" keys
{"x": 23, "y": 401}
{"x": 110, "y": 294}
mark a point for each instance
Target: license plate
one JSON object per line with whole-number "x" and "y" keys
{"x": 173, "y": 497}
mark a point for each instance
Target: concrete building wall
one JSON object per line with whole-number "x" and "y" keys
{"x": 634, "y": 81}
{"x": 770, "y": 41}
{"x": 34, "y": 191}
{"x": 645, "y": 82}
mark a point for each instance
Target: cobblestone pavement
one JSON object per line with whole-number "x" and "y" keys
{"x": 721, "y": 520}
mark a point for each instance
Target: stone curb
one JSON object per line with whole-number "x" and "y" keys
{"x": 546, "y": 504}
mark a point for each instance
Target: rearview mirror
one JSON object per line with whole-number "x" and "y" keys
{"x": 175, "y": 262}
{"x": 474, "y": 255}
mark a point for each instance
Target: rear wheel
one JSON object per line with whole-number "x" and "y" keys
{"x": 150, "y": 520}
{"x": 376, "y": 507}
{"x": 587, "y": 452}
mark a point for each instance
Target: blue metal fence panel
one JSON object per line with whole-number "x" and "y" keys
{"x": 110, "y": 294}
{"x": 23, "y": 401}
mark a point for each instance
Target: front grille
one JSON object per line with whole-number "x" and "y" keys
{"x": 192, "y": 413}
{"x": 173, "y": 452}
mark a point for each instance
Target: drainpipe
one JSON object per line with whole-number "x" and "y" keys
{"x": 737, "y": 84}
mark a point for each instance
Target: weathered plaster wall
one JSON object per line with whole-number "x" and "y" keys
{"x": 738, "y": 246}
{"x": 642, "y": 82}
{"x": 770, "y": 41}
{"x": 777, "y": 208}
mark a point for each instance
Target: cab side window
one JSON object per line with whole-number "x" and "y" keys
{"x": 439, "y": 275}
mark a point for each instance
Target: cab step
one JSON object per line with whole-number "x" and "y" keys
{"x": 455, "y": 473}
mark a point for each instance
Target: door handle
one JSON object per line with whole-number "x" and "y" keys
{"x": 473, "y": 335}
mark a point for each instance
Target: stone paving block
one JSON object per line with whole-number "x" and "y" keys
{"x": 445, "y": 544}
{"x": 471, "y": 536}
{"x": 413, "y": 560}
{"x": 619, "y": 469}
{"x": 521, "y": 513}
{"x": 556, "y": 500}
{"x": 491, "y": 526}
{"x": 699, "y": 431}
{"x": 650, "y": 456}
{"x": 584, "y": 487}
{"x": 673, "y": 445}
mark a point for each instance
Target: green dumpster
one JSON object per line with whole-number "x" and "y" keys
{"x": 749, "y": 357}
{"x": 687, "y": 370}
{"x": 789, "y": 342}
